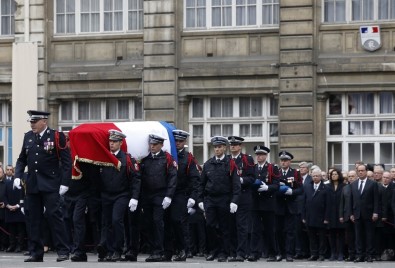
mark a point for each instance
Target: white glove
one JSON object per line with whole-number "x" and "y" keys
{"x": 63, "y": 189}
{"x": 241, "y": 180}
{"x": 191, "y": 211}
{"x": 233, "y": 208}
{"x": 44, "y": 209}
{"x": 288, "y": 192}
{"x": 17, "y": 183}
{"x": 190, "y": 203}
{"x": 166, "y": 202}
{"x": 133, "y": 204}
{"x": 23, "y": 211}
{"x": 281, "y": 183}
{"x": 263, "y": 188}
{"x": 201, "y": 206}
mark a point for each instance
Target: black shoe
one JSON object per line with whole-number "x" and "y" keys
{"x": 79, "y": 258}
{"x": 199, "y": 254}
{"x": 359, "y": 259}
{"x": 26, "y": 253}
{"x": 182, "y": 256}
{"x": 239, "y": 258}
{"x": 321, "y": 258}
{"x": 62, "y": 258}
{"x": 377, "y": 258}
{"x": 190, "y": 255}
{"x": 232, "y": 259}
{"x": 210, "y": 257}
{"x": 222, "y": 259}
{"x": 313, "y": 258}
{"x": 129, "y": 256}
{"x": 116, "y": 257}
{"x": 18, "y": 250}
{"x": 289, "y": 259}
{"x": 101, "y": 251}
{"x": 252, "y": 258}
{"x": 350, "y": 258}
{"x": 279, "y": 258}
{"x": 333, "y": 258}
{"x": 166, "y": 257}
{"x": 369, "y": 259}
{"x": 34, "y": 259}
{"x": 10, "y": 249}
{"x": 154, "y": 258}
{"x": 298, "y": 256}
{"x": 271, "y": 259}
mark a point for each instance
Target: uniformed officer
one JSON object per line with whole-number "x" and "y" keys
{"x": 291, "y": 186}
{"x": 47, "y": 156}
{"x": 219, "y": 192}
{"x": 159, "y": 182}
{"x": 264, "y": 192}
{"x": 119, "y": 188}
{"x": 241, "y": 220}
{"x": 185, "y": 195}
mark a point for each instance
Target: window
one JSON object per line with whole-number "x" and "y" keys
{"x": 360, "y": 125}
{"x": 73, "y": 113}
{"x": 254, "y": 118}
{"x": 7, "y": 22}
{"x": 200, "y": 14}
{"x": 98, "y": 16}
{"x": 358, "y": 10}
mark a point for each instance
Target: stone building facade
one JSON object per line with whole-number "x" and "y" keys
{"x": 290, "y": 74}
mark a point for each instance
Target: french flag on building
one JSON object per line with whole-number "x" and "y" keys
{"x": 369, "y": 29}
{"x": 89, "y": 142}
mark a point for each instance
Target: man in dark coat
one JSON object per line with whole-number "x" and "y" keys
{"x": 345, "y": 212}
{"x": 47, "y": 156}
{"x": 158, "y": 185}
{"x": 365, "y": 211}
{"x": 3, "y": 236}
{"x": 291, "y": 186}
{"x": 263, "y": 206}
{"x": 218, "y": 195}
{"x": 119, "y": 189}
{"x": 241, "y": 220}
{"x": 315, "y": 215}
{"x": 387, "y": 214}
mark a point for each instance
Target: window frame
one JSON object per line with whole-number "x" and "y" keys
{"x": 10, "y": 19}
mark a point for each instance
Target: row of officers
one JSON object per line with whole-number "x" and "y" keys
{"x": 248, "y": 207}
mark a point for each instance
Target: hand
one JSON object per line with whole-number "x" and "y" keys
{"x": 383, "y": 219}
{"x": 17, "y": 183}
{"x": 283, "y": 189}
{"x": 241, "y": 180}
{"x": 190, "y": 203}
{"x": 233, "y": 208}
{"x": 352, "y": 218}
{"x": 166, "y": 202}
{"x": 288, "y": 192}
{"x": 282, "y": 184}
{"x": 133, "y": 204}
{"x": 63, "y": 189}
{"x": 263, "y": 188}
{"x": 23, "y": 211}
{"x": 191, "y": 211}
{"x": 201, "y": 206}
{"x": 303, "y": 220}
{"x": 375, "y": 217}
{"x": 341, "y": 220}
{"x": 326, "y": 222}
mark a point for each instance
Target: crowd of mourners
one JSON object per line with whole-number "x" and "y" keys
{"x": 233, "y": 208}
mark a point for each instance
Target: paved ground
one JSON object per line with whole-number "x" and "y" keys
{"x": 14, "y": 260}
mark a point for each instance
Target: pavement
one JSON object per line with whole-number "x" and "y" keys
{"x": 15, "y": 260}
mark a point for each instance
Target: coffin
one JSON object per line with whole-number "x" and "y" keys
{"x": 89, "y": 142}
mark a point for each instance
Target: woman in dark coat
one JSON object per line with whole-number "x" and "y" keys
{"x": 336, "y": 228}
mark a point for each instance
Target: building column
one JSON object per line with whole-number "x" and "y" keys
{"x": 160, "y": 72}
{"x": 296, "y": 79}
{"x": 320, "y": 130}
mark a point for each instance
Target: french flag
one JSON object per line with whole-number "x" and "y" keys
{"x": 89, "y": 142}
{"x": 370, "y": 29}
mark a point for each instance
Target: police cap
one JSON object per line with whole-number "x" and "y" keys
{"x": 116, "y": 135}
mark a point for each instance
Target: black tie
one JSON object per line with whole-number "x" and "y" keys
{"x": 284, "y": 173}
{"x": 38, "y": 137}
{"x": 361, "y": 186}
{"x": 259, "y": 168}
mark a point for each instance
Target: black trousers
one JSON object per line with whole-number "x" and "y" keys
{"x": 18, "y": 233}
{"x": 53, "y": 211}
{"x": 197, "y": 233}
{"x": 350, "y": 238}
{"x": 301, "y": 237}
{"x": 263, "y": 233}
{"x": 239, "y": 223}
{"x": 76, "y": 220}
{"x": 285, "y": 234}
{"x": 113, "y": 212}
{"x": 175, "y": 219}
{"x": 154, "y": 217}
{"x": 217, "y": 220}
{"x": 364, "y": 237}
{"x": 317, "y": 239}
